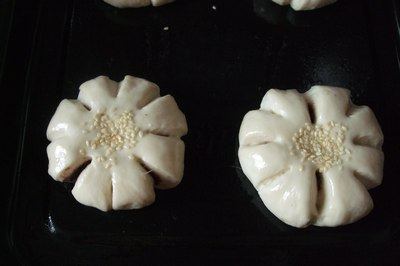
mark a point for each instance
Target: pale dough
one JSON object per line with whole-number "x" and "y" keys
{"x": 305, "y": 4}
{"x": 312, "y": 157}
{"x": 137, "y": 3}
{"x": 128, "y": 136}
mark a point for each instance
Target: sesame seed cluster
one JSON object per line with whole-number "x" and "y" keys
{"x": 321, "y": 144}
{"x": 113, "y": 134}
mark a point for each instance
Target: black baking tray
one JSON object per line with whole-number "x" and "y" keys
{"x": 217, "y": 58}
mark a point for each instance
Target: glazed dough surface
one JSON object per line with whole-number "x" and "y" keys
{"x": 124, "y": 136}
{"x": 312, "y": 157}
{"x": 137, "y": 3}
{"x": 305, "y": 4}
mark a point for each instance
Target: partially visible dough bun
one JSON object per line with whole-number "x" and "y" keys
{"x": 305, "y": 4}
{"x": 137, "y": 3}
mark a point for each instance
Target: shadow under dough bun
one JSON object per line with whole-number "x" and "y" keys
{"x": 137, "y": 3}
{"x": 305, "y": 4}
{"x": 123, "y": 137}
{"x": 312, "y": 156}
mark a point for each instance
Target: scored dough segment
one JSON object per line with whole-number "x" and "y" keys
{"x": 137, "y": 3}
{"x": 305, "y": 4}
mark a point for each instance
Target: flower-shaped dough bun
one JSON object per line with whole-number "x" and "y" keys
{"x": 137, "y": 3}
{"x": 312, "y": 157}
{"x": 305, "y": 4}
{"x": 124, "y": 136}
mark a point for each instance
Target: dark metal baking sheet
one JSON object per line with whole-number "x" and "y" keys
{"x": 218, "y": 63}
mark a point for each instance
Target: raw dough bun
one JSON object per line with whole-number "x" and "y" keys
{"x": 312, "y": 157}
{"x": 124, "y": 136}
{"x": 305, "y": 4}
{"x": 137, "y": 3}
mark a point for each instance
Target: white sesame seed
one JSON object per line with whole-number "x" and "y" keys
{"x": 321, "y": 144}
{"x": 116, "y": 133}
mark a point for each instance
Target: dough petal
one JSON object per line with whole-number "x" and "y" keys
{"x": 164, "y": 156}
{"x": 262, "y": 162}
{"x": 305, "y": 4}
{"x": 292, "y": 196}
{"x": 67, "y": 120}
{"x": 328, "y": 103}
{"x": 282, "y": 2}
{"x": 364, "y": 128}
{"x": 259, "y": 127}
{"x": 132, "y": 185}
{"x": 343, "y": 199}
{"x": 310, "y": 4}
{"x": 98, "y": 93}
{"x": 64, "y": 158}
{"x": 368, "y": 165}
{"x": 289, "y": 104}
{"x": 136, "y": 92}
{"x": 93, "y": 187}
{"x": 161, "y": 2}
{"x": 162, "y": 117}
{"x": 128, "y": 3}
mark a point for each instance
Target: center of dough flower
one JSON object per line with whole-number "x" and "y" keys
{"x": 322, "y": 145}
{"x": 114, "y": 133}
